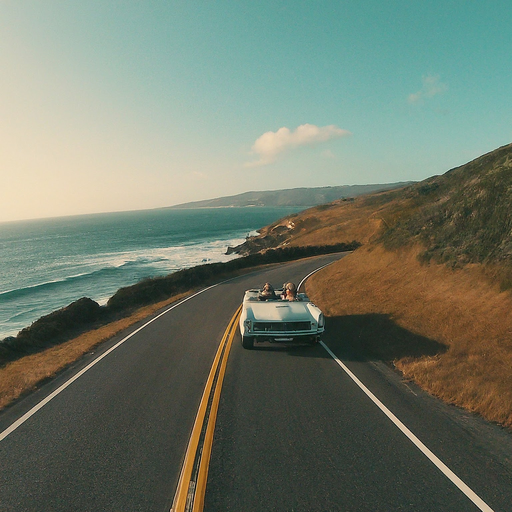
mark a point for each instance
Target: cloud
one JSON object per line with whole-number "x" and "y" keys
{"x": 271, "y": 144}
{"x": 432, "y": 86}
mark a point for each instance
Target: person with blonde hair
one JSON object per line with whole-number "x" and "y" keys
{"x": 289, "y": 292}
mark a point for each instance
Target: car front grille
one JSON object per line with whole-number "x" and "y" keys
{"x": 281, "y": 326}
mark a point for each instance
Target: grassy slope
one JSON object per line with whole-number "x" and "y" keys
{"x": 436, "y": 262}
{"x": 458, "y": 309}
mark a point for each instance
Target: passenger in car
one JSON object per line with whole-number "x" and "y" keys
{"x": 267, "y": 292}
{"x": 289, "y": 292}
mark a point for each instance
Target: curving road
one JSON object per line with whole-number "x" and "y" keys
{"x": 294, "y": 430}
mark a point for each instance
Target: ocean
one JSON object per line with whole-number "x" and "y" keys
{"x": 47, "y": 264}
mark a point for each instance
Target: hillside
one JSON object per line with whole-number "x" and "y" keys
{"x": 304, "y": 197}
{"x": 457, "y": 218}
{"x": 436, "y": 266}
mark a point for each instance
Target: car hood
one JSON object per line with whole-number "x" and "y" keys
{"x": 280, "y": 311}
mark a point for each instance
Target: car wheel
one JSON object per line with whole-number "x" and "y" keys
{"x": 247, "y": 342}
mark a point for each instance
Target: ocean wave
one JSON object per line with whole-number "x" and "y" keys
{"x": 21, "y": 316}
{"x": 55, "y": 283}
{"x": 100, "y": 276}
{"x": 134, "y": 265}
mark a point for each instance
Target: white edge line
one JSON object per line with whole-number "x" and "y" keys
{"x": 426, "y": 451}
{"x": 314, "y": 272}
{"x": 433, "y": 458}
{"x": 59, "y": 390}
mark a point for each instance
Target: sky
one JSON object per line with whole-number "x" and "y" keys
{"x": 128, "y": 105}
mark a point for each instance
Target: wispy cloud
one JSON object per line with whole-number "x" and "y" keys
{"x": 271, "y": 144}
{"x": 432, "y": 86}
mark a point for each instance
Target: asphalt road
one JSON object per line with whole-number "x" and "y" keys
{"x": 294, "y": 431}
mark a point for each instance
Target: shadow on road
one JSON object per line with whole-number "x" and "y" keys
{"x": 376, "y": 337}
{"x": 371, "y": 337}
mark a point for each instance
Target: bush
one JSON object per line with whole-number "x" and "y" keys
{"x": 53, "y": 328}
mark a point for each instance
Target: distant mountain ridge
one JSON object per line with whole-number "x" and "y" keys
{"x": 304, "y": 197}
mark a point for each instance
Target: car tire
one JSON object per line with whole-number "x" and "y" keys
{"x": 247, "y": 342}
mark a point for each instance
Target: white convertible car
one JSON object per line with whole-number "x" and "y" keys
{"x": 277, "y": 320}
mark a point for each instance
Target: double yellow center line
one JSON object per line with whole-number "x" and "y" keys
{"x": 191, "y": 489}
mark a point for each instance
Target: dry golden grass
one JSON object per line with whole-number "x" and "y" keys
{"x": 23, "y": 375}
{"x": 457, "y": 308}
{"x": 342, "y": 222}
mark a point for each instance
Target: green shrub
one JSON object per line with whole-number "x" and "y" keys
{"x": 54, "y": 328}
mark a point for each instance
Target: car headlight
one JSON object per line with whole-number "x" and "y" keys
{"x": 247, "y": 325}
{"x": 321, "y": 320}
